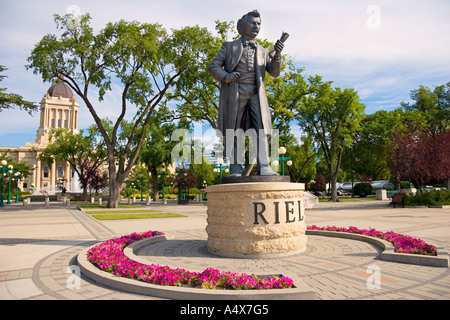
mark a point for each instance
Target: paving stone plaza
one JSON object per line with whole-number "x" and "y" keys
{"x": 39, "y": 246}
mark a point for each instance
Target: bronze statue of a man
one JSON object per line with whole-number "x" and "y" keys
{"x": 240, "y": 67}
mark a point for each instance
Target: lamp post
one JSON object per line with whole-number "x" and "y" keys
{"x": 180, "y": 194}
{"x": 220, "y": 166}
{"x": 3, "y": 164}
{"x": 282, "y": 158}
{"x": 204, "y": 187}
{"x": 18, "y": 177}
{"x": 163, "y": 176}
{"x": 10, "y": 171}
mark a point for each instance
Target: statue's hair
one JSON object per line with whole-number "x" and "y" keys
{"x": 241, "y": 21}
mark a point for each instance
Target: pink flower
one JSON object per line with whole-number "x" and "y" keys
{"x": 109, "y": 256}
{"x": 402, "y": 243}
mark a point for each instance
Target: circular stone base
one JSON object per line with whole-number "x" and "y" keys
{"x": 256, "y": 220}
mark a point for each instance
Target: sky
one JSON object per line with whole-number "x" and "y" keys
{"x": 381, "y": 48}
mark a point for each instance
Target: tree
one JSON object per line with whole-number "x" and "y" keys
{"x": 156, "y": 151}
{"x": 139, "y": 179}
{"x": 331, "y": 117}
{"x": 303, "y": 157}
{"x": 434, "y": 105}
{"x": 140, "y": 58}
{"x": 23, "y": 167}
{"x": 419, "y": 156}
{"x": 198, "y": 93}
{"x": 186, "y": 180}
{"x": 319, "y": 183}
{"x": 11, "y": 100}
{"x": 85, "y": 153}
{"x": 93, "y": 177}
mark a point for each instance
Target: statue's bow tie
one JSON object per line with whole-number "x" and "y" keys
{"x": 250, "y": 43}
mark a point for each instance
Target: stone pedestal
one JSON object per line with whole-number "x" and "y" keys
{"x": 381, "y": 194}
{"x": 256, "y": 220}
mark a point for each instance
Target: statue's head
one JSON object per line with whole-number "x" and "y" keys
{"x": 249, "y": 25}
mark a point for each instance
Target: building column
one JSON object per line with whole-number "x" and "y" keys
{"x": 67, "y": 175}
{"x": 38, "y": 169}
{"x": 53, "y": 176}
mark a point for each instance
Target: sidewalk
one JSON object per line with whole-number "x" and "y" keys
{"x": 39, "y": 245}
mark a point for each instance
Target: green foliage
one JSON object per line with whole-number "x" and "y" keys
{"x": 331, "y": 117}
{"x": 362, "y": 189}
{"x": 434, "y": 105}
{"x": 141, "y": 59}
{"x": 11, "y": 100}
{"x": 430, "y": 198}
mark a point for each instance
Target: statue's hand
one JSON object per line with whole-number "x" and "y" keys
{"x": 231, "y": 77}
{"x": 279, "y": 46}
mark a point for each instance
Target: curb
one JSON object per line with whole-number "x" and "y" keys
{"x": 301, "y": 292}
{"x": 388, "y": 254}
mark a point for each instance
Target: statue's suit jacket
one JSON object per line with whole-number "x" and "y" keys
{"x": 226, "y": 62}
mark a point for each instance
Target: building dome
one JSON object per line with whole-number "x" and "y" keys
{"x": 60, "y": 89}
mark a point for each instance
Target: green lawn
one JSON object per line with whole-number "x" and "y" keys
{"x": 122, "y": 206}
{"x": 115, "y": 211}
{"x": 125, "y": 216}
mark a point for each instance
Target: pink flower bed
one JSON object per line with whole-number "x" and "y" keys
{"x": 109, "y": 256}
{"x": 401, "y": 243}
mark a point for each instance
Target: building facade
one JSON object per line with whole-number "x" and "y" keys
{"x": 59, "y": 109}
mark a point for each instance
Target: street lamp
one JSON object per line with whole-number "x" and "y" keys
{"x": 282, "y": 158}
{"x": 10, "y": 171}
{"x": 220, "y": 166}
{"x": 3, "y": 164}
{"x": 18, "y": 177}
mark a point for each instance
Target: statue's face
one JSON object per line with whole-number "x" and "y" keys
{"x": 251, "y": 27}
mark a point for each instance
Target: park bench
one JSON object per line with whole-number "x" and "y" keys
{"x": 398, "y": 198}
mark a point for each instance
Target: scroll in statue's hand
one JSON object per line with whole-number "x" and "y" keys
{"x": 279, "y": 46}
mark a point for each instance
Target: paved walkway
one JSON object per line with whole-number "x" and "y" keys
{"x": 38, "y": 247}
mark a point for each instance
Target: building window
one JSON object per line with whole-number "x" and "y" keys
{"x": 60, "y": 171}
{"x": 65, "y": 123}
{"x": 46, "y": 171}
{"x": 59, "y": 123}
{"x": 53, "y": 123}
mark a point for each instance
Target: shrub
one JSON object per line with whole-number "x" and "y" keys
{"x": 431, "y": 198}
{"x": 362, "y": 189}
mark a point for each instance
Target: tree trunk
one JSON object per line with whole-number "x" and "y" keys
{"x": 333, "y": 187}
{"x": 154, "y": 173}
{"x": 114, "y": 186}
{"x": 85, "y": 194}
{"x": 114, "y": 195}
{"x": 248, "y": 169}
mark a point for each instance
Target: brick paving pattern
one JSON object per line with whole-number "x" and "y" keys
{"x": 39, "y": 247}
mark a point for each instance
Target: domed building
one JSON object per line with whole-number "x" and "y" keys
{"x": 59, "y": 109}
